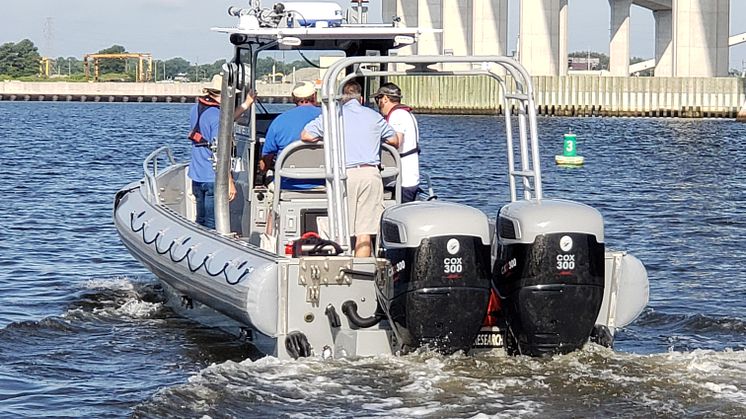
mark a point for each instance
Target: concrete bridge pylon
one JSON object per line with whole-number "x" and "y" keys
{"x": 469, "y": 27}
{"x": 691, "y": 36}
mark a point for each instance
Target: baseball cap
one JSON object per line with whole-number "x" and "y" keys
{"x": 388, "y": 89}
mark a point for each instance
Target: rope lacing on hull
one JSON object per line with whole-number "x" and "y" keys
{"x": 169, "y": 251}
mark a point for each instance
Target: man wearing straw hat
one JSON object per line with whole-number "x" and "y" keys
{"x": 204, "y": 120}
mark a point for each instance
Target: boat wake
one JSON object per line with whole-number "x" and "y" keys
{"x": 594, "y": 382}
{"x": 694, "y": 323}
{"x": 115, "y": 334}
{"x": 102, "y": 300}
{"x": 118, "y": 297}
{"x": 688, "y": 332}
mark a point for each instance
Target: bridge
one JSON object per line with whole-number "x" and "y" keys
{"x": 692, "y": 37}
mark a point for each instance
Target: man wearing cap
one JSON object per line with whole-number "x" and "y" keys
{"x": 204, "y": 120}
{"x": 388, "y": 98}
{"x": 364, "y": 129}
{"x": 286, "y": 129}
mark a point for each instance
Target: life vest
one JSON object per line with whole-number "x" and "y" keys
{"x": 416, "y": 148}
{"x": 203, "y": 103}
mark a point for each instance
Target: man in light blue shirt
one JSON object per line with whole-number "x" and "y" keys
{"x": 364, "y": 129}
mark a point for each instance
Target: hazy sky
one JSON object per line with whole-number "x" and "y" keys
{"x": 180, "y": 28}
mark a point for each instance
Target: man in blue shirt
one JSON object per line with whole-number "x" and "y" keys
{"x": 204, "y": 120}
{"x": 364, "y": 129}
{"x": 286, "y": 129}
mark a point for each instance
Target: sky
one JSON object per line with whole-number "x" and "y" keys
{"x": 181, "y": 28}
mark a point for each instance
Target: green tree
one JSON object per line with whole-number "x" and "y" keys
{"x": 68, "y": 66}
{"x": 210, "y": 70}
{"x": 176, "y": 66}
{"x": 19, "y": 59}
{"x": 112, "y": 65}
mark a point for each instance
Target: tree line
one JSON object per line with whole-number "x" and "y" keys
{"x": 22, "y": 61}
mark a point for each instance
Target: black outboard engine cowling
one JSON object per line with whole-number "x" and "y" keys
{"x": 549, "y": 273}
{"x": 437, "y": 289}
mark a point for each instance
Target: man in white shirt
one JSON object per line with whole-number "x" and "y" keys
{"x": 400, "y": 117}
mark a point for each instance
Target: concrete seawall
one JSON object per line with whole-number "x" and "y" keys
{"x": 121, "y": 92}
{"x": 577, "y": 95}
{"x": 584, "y": 96}
{"x": 742, "y": 113}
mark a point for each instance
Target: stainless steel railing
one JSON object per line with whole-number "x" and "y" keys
{"x": 150, "y": 169}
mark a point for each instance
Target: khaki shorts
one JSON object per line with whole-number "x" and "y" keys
{"x": 364, "y": 199}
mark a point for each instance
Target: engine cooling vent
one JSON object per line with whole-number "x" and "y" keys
{"x": 390, "y": 232}
{"x": 506, "y": 228}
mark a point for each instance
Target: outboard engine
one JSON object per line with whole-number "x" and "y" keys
{"x": 549, "y": 273}
{"x": 436, "y": 291}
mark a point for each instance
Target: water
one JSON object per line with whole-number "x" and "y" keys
{"x": 84, "y": 331}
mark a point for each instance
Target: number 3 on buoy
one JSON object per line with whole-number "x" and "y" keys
{"x": 569, "y": 155}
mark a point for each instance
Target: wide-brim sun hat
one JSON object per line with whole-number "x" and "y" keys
{"x": 304, "y": 89}
{"x": 215, "y": 85}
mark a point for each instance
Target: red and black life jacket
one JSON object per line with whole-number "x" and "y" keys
{"x": 416, "y": 148}
{"x": 203, "y": 103}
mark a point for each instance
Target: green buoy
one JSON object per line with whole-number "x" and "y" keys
{"x": 569, "y": 155}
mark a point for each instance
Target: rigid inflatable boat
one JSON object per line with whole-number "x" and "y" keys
{"x": 534, "y": 279}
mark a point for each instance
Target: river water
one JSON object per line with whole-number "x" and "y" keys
{"x": 84, "y": 331}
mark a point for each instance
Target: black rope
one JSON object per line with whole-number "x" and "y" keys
{"x": 189, "y": 264}
{"x": 192, "y": 269}
{"x": 222, "y": 271}
{"x": 185, "y": 254}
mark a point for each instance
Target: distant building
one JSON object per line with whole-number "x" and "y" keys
{"x": 583, "y": 63}
{"x": 303, "y": 74}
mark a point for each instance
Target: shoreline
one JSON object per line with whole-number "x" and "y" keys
{"x": 567, "y": 96}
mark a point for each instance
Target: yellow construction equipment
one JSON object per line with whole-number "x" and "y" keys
{"x": 143, "y": 73}
{"x": 44, "y": 66}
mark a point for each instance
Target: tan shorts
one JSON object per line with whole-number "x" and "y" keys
{"x": 364, "y": 199}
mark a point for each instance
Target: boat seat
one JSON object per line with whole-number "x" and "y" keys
{"x": 306, "y": 161}
{"x": 299, "y": 160}
{"x": 293, "y": 194}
